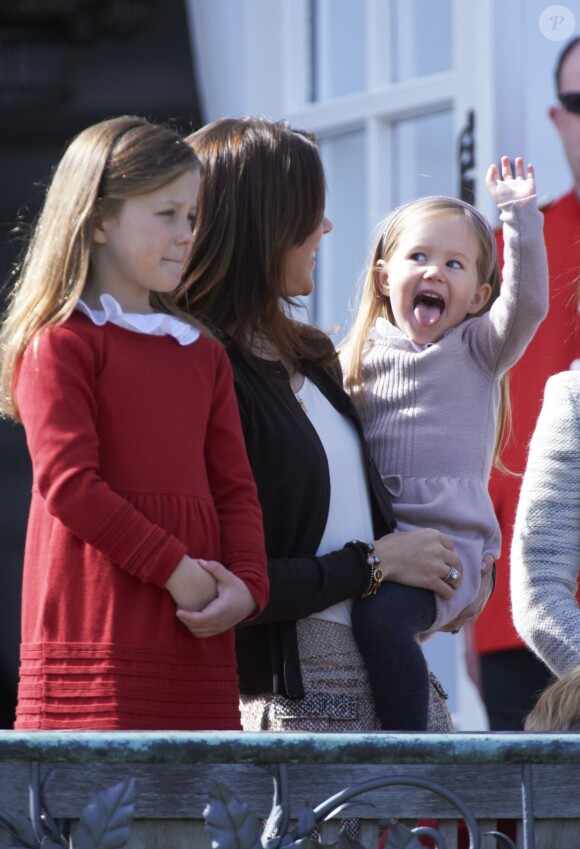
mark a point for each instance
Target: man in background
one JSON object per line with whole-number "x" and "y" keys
{"x": 511, "y": 676}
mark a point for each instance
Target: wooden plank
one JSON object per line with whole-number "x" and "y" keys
{"x": 177, "y": 791}
{"x": 162, "y": 834}
{"x": 550, "y": 798}
{"x": 180, "y": 792}
{"x": 557, "y": 834}
{"x": 449, "y": 832}
{"x": 486, "y": 825}
{"x": 330, "y": 830}
{"x": 369, "y": 833}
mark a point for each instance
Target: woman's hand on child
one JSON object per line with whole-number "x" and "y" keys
{"x": 234, "y": 603}
{"x": 420, "y": 558}
{"x": 472, "y": 611}
{"x": 192, "y": 586}
{"x": 506, "y": 188}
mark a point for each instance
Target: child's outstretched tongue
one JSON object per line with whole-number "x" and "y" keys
{"x": 427, "y": 314}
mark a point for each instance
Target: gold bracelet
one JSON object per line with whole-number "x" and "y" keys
{"x": 373, "y": 562}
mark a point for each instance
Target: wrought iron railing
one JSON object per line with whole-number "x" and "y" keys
{"x": 91, "y": 790}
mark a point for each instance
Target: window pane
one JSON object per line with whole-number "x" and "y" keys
{"x": 422, "y": 38}
{"x": 424, "y": 157}
{"x": 342, "y": 253}
{"x": 337, "y": 48}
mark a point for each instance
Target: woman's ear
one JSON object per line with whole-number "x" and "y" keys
{"x": 480, "y": 299}
{"x": 382, "y": 278}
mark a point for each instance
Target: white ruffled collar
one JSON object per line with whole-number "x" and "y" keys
{"x": 383, "y": 329}
{"x": 153, "y": 324}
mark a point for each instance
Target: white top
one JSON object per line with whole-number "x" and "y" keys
{"x": 349, "y": 512}
{"x": 154, "y": 324}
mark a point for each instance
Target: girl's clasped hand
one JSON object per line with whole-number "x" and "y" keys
{"x": 231, "y": 603}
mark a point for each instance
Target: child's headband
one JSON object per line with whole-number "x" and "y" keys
{"x": 396, "y": 214}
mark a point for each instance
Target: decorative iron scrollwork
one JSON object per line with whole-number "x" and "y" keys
{"x": 105, "y": 822}
{"x": 231, "y": 822}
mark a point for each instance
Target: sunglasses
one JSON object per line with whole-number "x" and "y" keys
{"x": 570, "y": 100}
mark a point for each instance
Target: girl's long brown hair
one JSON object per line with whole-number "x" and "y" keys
{"x": 263, "y": 192}
{"x": 107, "y": 163}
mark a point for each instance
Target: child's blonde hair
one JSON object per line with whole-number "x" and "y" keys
{"x": 558, "y": 707}
{"x": 373, "y": 304}
{"x": 103, "y": 166}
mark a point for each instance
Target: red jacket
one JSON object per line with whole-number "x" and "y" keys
{"x": 555, "y": 346}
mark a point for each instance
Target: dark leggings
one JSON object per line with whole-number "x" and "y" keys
{"x": 385, "y": 627}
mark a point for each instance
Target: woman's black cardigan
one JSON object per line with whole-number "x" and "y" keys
{"x": 291, "y": 472}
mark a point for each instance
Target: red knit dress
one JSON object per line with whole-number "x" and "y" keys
{"x": 138, "y": 458}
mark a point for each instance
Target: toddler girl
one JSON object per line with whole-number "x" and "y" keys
{"x": 139, "y": 464}
{"x": 424, "y": 363}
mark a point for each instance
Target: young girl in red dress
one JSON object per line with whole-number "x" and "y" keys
{"x": 143, "y": 502}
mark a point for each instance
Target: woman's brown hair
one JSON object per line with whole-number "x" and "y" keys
{"x": 263, "y": 192}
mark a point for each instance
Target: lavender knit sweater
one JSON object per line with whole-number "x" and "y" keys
{"x": 546, "y": 543}
{"x": 430, "y": 415}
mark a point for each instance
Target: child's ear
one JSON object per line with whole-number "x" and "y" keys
{"x": 98, "y": 229}
{"x": 382, "y": 278}
{"x": 480, "y": 299}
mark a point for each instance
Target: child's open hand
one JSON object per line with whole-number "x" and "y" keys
{"x": 506, "y": 188}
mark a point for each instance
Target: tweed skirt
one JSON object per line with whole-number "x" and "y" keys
{"x": 337, "y": 691}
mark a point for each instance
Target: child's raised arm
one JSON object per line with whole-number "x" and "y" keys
{"x": 507, "y": 188}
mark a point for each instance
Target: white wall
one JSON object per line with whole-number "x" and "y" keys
{"x": 238, "y": 64}
{"x": 524, "y": 90}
